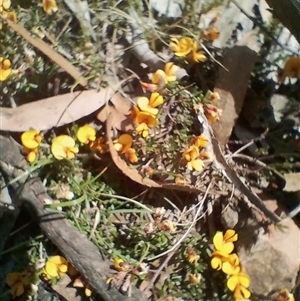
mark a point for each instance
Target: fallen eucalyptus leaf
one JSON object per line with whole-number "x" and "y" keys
{"x": 54, "y": 111}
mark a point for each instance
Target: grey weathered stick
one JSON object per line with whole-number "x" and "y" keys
{"x": 75, "y": 246}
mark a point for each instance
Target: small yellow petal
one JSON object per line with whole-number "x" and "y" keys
{"x": 88, "y": 291}
{"x": 6, "y": 4}
{"x": 51, "y": 269}
{"x": 244, "y": 280}
{"x": 126, "y": 142}
{"x": 218, "y": 240}
{"x": 155, "y": 100}
{"x": 216, "y": 263}
{"x": 12, "y": 278}
{"x": 241, "y": 293}
{"x": 159, "y": 78}
{"x": 197, "y": 164}
{"x": 230, "y": 269}
{"x": 143, "y": 103}
{"x": 17, "y": 290}
{"x": 171, "y": 69}
{"x": 227, "y": 247}
{"x": 31, "y": 156}
{"x": 232, "y": 282}
{"x": 230, "y": 235}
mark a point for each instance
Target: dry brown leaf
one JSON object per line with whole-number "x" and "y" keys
{"x": 54, "y": 111}
{"x": 119, "y": 112}
{"x": 50, "y": 52}
{"x": 69, "y": 293}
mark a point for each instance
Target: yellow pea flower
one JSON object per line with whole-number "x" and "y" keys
{"x": 5, "y": 69}
{"x": 200, "y": 141}
{"x": 191, "y": 155}
{"x": 100, "y": 145}
{"x": 63, "y": 147}
{"x": 218, "y": 258}
{"x": 143, "y": 104}
{"x": 212, "y": 112}
{"x": 192, "y": 256}
{"x": 161, "y": 78}
{"x": 150, "y": 105}
{"x": 146, "y": 121}
{"x": 170, "y": 71}
{"x": 196, "y": 55}
{"x": 181, "y": 47}
{"x": 31, "y": 139}
{"x": 86, "y": 134}
{"x": 167, "y": 226}
{"x": 134, "y": 112}
{"x": 4, "y": 5}
{"x": 130, "y": 154}
{"x": 224, "y": 243}
{"x": 18, "y": 283}
{"x": 56, "y": 266}
{"x": 50, "y": 6}
{"x": 143, "y": 129}
{"x": 123, "y": 143}
{"x": 239, "y": 283}
{"x": 231, "y": 265}
{"x": 120, "y": 265}
{"x": 285, "y": 295}
{"x": 194, "y": 278}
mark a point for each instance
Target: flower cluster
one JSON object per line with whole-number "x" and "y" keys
{"x": 5, "y": 68}
{"x": 187, "y": 47}
{"x": 4, "y": 11}
{"x": 62, "y": 146}
{"x": 55, "y": 267}
{"x": 195, "y": 153}
{"x": 193, "y": 257}
{"x": 223, "y": 259}
{"x": 145, "y": 113}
